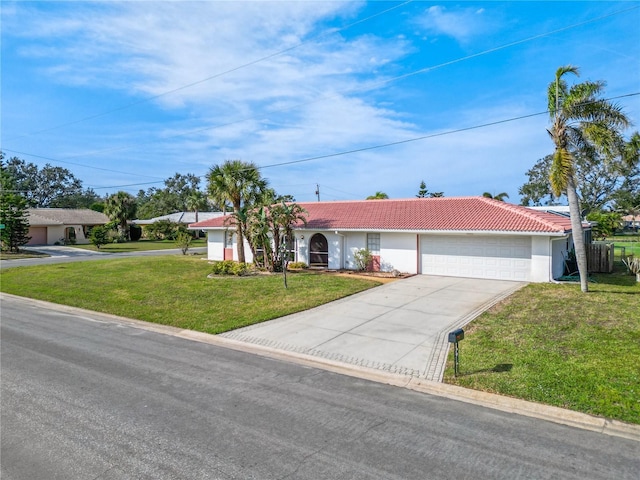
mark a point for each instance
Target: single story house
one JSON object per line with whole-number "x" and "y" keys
{"x": 631, "y": 222}
{"x": 180, "y": 217}
{"x": 473, "y": 237}
{"x": 48, "y": 226}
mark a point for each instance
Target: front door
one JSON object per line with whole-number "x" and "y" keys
{"x": 319, "y": 251}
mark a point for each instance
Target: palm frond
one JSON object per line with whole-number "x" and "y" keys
{"x": 561, "y": 170}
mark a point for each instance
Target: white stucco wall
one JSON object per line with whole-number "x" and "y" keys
{"x": 540, "y": 261}
{"x": 547, "y": 257}
{"x": 398, "y": 251}
{"x": 560, "y": 248}
{"x": 215, "y": 245}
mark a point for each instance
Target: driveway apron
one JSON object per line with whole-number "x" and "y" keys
{"x": 400, "y": 327}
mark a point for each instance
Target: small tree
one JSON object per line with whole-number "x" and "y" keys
{"x": 183, "y": 241}
{"x": 99, "y": 236}
{"x": 363, "y": 259}
{"x": 13, "y": 214}
{"x": 121, "y": 207}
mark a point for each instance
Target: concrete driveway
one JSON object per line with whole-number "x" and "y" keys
{"x": 400, "y": 327}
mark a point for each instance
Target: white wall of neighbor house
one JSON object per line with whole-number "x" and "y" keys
{"x": 215, "y": 245}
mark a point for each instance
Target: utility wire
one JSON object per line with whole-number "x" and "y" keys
{"x": 408, "y": 140}
{"x": 220, "y": 74}
{"x": 368, "y": 87}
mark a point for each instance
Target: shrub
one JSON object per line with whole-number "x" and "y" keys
{"x": 164, "y": 230}
{"x": 98, "y": 236}
{"x": 297, "y": 265}
{"x": 230, "y": 267}
{"x": 363, "y": 259}
{"x": 183, "y": 241}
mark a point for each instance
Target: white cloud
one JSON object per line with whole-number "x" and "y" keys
{"x": 462, "y": 24}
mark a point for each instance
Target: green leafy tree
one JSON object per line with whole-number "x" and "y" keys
{"x": 422, "y": 190}
{"x": 378, "y": 196}
{"x": 605, "y": 224}
{"x": 13, "y": 213}
{"x": 120, "y": 208}
{"x": 183, "y": 241}
{"x": 174, "y": 197}
{"x": 240, "y": 184}
{"x": 580, "y": 121}
{"x": 48, "y": 186}
{"x": 99, "y": 236}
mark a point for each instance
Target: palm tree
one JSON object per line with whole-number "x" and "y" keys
{"x": 500, "y": 196}
{"x": 120, "y": 207}
{"x": 581, "y": 121}
{"x": 196, "y": 202}
{"x": 240, "y": 184}
{"x": 378, "y": 196}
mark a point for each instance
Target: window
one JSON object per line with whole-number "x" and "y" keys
{"x": 228, "y": 239}
{"x": 373, "y": 243}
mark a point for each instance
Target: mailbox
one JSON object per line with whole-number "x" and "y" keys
{"x": 456, "y": 336}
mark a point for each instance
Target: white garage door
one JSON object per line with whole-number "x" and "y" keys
{"x": 498, "y": 257}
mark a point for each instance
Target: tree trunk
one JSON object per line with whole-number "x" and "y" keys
{"x": 240, "y": 245}
{"x": 578, "y": 234}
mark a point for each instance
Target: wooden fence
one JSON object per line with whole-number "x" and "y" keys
{"x": 600, "y": 257}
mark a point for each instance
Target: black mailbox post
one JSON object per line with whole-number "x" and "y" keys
{"x": 455, "y": 337}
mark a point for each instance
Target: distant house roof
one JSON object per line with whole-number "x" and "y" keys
{"x": 181, "y": 217}
{"x": 65, "y": 216}
{"x": 446, "y": 214}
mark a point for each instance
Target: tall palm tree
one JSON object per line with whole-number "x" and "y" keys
{"x": 500, "y": 196}
{"x": 121, "y": 207}
{"x": 378, "y": 196}
{"x": 196, "y": 202}
{"x": 240, "y": 184}
{"x": 581, "y": 121}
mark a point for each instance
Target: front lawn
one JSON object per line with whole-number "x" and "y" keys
{"x": 174, "y": 290}
{"x": 139, "y": 246}
{"x": 555, "y": 345}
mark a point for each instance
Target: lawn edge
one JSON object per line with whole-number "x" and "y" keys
{"x": 518, "y": 406}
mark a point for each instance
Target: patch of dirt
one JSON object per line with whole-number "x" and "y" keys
{"x": 383, "y": 277}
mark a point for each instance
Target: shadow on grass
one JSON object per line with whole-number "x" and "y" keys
{"x": 500, "y": 368}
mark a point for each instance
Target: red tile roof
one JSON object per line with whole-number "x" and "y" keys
{"x": 454, "y": 214}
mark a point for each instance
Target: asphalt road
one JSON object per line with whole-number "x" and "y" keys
{"x": 70, "y": 255}
{"x": 92, "y": 398}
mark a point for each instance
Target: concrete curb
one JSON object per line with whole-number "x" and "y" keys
{"x": 490, "y": 400}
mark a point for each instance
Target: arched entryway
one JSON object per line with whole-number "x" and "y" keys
{"x": 319, "y": 251}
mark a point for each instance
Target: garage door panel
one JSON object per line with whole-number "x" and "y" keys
{"x": 505, "y": 258}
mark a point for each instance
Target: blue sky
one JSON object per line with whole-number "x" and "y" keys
{"x": 126, "y": 94}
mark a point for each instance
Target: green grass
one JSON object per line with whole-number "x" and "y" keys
{"x": 555, "y": 345}
{"x": 140, "y": 246}
{"x": 175, "y": 290}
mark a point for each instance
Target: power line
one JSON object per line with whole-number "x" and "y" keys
{"x": 77, "y": 164}
{"x": 368, "y": 87}
{"x": 220, "y": 74}
{"x": 409, "y": 140}
{"x": 424, "y": 137}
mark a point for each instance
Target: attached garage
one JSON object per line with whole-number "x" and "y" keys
{"x": 474, "y": 237}
{"x": 38, "y": 236}
{"x": 477, "y": 256}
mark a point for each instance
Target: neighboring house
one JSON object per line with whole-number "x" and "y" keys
{"x": 48, "y": 226}
{"x": 462, "y": 237}
{"x": 184, "y": 218}
{"x": 180, "y": 217}
{"x": 631, "y": 222}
